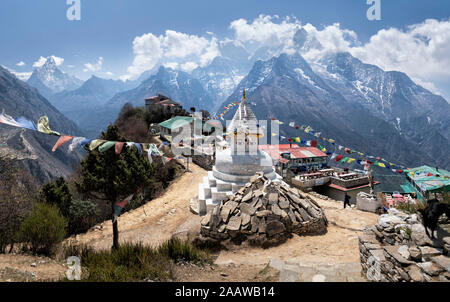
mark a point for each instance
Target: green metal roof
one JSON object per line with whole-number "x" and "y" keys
{"x": 177, "y": 122}
{"x": 408, "y": 188}
{"x": 428, "y": 179}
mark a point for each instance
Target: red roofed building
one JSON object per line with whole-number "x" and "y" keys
{"x": 297, "y": 159}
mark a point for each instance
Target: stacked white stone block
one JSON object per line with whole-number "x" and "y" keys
{"x": 234, "y": 167}
{"x": 213, "y": 190}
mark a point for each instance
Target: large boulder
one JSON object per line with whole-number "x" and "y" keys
{"x": 387, "y": 220}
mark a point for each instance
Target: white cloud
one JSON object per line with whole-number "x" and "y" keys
{"x": 147, "y": 52}
{"x": 94, "y": 67}
{"x": 173, "y": 49}
{"x": 422, "y": 51}
{"x": 21, "y": 63}
{"x": 71, "y": 66}
{"x": 188, "y": 66}
{"x": 39, "y": 63}
{"x": 265, "y": 32}
{"x": 109, "y": 73}
{"x": 179, "y": 45}
{"x": 24, "y": 76}
{"x": 172, "y": 65}
{"x": 332, "y": 38}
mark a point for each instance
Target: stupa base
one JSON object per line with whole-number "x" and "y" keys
{"x": 212, "y": 191}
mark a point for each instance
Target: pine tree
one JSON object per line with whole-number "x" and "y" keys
{"x": 112, "y": 177}
{"x": 57, "y": 192}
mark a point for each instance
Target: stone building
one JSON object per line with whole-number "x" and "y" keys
{"x": 163, "y": 102}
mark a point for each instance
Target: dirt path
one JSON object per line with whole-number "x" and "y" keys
{"x": 159, "y": 219}
{"x": 162, "y": 217}
{"x": 338, "y": 245}
{"x": 154, "y": 222}
{"x": 20, "y": 268}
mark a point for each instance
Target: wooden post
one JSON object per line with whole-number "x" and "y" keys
{"x": 371, "y": 180}
{"x": 115, "y": 229}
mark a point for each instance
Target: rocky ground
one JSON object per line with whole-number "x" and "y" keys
{"x": 398, "y": 249}
{"x": 323, "y": 255}
{"x": 21, "y": 268}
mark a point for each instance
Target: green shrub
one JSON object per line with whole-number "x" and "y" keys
{"x": 128, "y": 262}
{"x": 82, "y": 216}
{"x": 410, "y": 208}
{"x": 79, "y": 250}
{"x": 57, "y": 192}
{"x": 134, "y": 261}
{"x": 43, "y": 228}
{"x": 179, "y": 250}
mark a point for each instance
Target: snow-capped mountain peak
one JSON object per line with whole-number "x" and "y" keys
{"x": 49, "y": 79}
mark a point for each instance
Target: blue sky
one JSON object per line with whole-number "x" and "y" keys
{"x": 107, "y": 29}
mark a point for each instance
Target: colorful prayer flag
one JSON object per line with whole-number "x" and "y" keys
{"x": 61, "y": 141}
{"x": 6, "y": 119}
{"x": 118, "y": 147}
{"x": 138, "y": 146}
{"x": 95, "y": 143}
{"x": 44, "y": 126}
{"x": 106, "y": 146}
{"x": 338, "y": 158}
{"x": 24, "y": 123}
{"x": 75, "y": 142}
{"x": 118, "y": 206}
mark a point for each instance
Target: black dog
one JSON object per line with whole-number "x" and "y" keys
{"x": 431, "y": 214}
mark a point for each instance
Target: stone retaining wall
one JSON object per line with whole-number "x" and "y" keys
{"x": 398, "y": 249}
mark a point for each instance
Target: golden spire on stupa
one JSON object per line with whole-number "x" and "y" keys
{"x": 243, "y": 95}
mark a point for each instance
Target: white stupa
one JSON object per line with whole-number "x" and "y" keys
{"x": 236, "y": 164}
